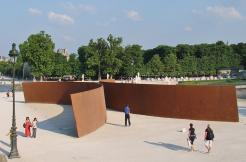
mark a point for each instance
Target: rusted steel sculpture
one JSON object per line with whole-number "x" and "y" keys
{"x": 89, "y": 110}
{"x": 216, "y": 103}
{"x": 87, "y": 99}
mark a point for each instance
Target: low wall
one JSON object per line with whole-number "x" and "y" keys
{"x": 217, "y": 103}
{"x": 87, "y": 99}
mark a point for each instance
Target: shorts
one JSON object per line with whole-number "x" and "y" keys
{"x": 192, "y": 138}
{"x": 209, "y": 143}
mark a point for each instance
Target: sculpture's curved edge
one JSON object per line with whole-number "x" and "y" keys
{"x": 87, "y": 98}
{"x": 89, "y": 110}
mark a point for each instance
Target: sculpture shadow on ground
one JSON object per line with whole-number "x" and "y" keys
{"x": 242, "y": 111}
{"x": 169, "y": 146}
{"x": 63, "y": 123}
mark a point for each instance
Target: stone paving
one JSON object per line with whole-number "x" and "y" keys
{"x": 149, "y": 139}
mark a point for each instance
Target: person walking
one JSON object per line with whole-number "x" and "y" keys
{"x": 34, "y": 127}
{"x": 127, "y": 115}
{"x": 191, "y": 136}
{"x": 209, "y": 137}
{"x": 27, "y": 125}
{"x": 7, "y": 94}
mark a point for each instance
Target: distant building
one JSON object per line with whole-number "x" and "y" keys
{"x": 64, "y": 52}
{"x": 4, "y": 58}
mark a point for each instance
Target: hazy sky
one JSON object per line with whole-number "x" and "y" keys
{"x": 146, "y": 22}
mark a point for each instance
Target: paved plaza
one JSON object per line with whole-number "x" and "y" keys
{"x": 148, "y": 139}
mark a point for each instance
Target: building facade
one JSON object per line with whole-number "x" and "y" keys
{"x": 64, "y": 52}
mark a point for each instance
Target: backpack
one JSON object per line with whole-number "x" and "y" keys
{"x": 210, "y": 135}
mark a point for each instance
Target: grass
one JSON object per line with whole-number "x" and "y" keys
{"x": 215, "y": 82}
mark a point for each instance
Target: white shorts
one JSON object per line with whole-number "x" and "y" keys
{"x": 209, "y": 143}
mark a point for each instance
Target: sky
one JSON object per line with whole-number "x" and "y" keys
{"x": 149, "y": 23}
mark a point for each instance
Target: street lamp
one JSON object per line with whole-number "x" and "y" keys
{"x": 14, "y": 151}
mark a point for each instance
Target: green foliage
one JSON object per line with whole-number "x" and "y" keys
{"x": 110, "y": 62}
{"x": 74, "y": 65}
{"x": 108, "y": 56}
{"x": 189, "y": 66}
{"x": 6, "y": 68}
{"x": 172, "y": 66}
{"x": 60, "y": 65}
{"x": 161, "y": 50}
{"x": 132, "y": 59}
{"x": 155, "y": 66}
{"x": 37, "y": 50}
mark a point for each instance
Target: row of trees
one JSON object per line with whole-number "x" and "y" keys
{"x": 183, "y": 60}
{"x": 108, "y": 56}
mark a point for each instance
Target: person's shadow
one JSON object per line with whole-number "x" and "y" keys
{"x": 169, "y": 146}
{"x": 118, "y": 125}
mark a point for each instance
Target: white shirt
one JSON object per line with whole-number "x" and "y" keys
{"x": 34, "y": 124}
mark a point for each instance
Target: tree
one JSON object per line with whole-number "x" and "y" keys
{"x": 6, "y": 68}
{"x": 61, "y": 66}
{"x": 97, "y": 50}
{"x": 183, "y": 50}
{"x": 110, "y": 62}
{"x": 155, "y": 65}
{"x": 171, "y": 65}
{"x": 37, "y": 50}
{"x": 132, "y": 60}
{"x": 84, "y": 54}
{"x": 74, "y": 65}
{"x": 189, "y": 66}
{"x": 161, "y": 50}
{"x": 240, "y": 51}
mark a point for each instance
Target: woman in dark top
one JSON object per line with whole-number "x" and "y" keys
{"x": 209, "y": 137}
{"x": 192, "y": 136}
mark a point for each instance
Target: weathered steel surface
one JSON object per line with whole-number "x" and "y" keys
{"x": 88, "y": 101}
{"x": 217, "y": 103}
{"x": 89, "y": 110}
{"x": 54, "y": 92}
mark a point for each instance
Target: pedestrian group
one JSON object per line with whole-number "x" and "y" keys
{"x": 28, "y": 124}
{"x": 208, "y": 137}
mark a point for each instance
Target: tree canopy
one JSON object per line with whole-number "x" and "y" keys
{"x": 108, "y": 56}
{"x": 38, "y": 51}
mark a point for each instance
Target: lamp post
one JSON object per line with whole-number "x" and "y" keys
{"x": 14, "y": 151}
